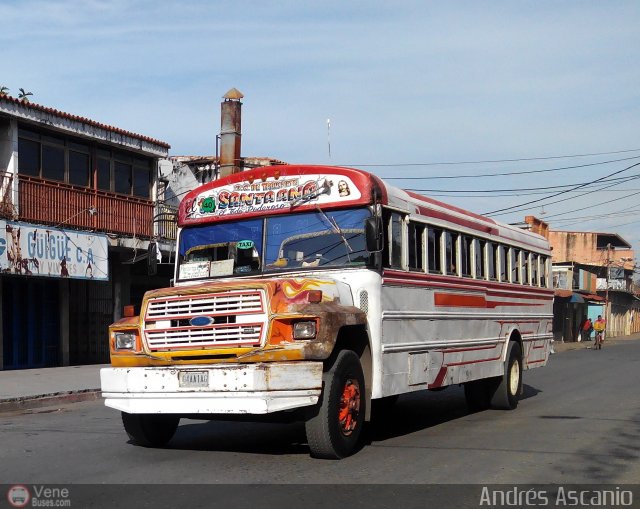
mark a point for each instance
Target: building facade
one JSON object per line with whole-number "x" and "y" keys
{"x": 78, "y": 210}
{"x": 593, "y": 275}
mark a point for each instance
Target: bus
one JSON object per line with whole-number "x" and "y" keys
{"x": 311, "y": 292}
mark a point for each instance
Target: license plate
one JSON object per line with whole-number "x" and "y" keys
{"x": 193, "y": 378}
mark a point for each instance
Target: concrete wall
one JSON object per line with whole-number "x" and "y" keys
{"x": 581, "y": 247}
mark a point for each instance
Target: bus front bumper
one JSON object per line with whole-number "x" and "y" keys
{"x": 219, "y": 389}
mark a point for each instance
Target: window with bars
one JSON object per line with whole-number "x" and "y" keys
{"x": 83, "y": 163}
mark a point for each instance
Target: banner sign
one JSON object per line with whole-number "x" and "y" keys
{"x": 272, "y": 194}
{"x": 40, "y": 250}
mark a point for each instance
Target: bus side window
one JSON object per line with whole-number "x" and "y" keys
{"x": 434, "y": 250}
{"x": 465, "y": 255}
{"x": 392, "y": 252}
{"x": 502, "y": 263}
{"x": 534, "y": 270}
{"x": 543, "y": 272}
{"x": 416, "y": 247}
{"x": 480, "y": 258}
{"x": 514, "y": 264}
{"x": 451, "y": 252}
{"x": 492, "y": 261}
{"x": 525, "y": 268}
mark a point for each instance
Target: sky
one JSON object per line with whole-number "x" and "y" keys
{"x": 544, "y": 93}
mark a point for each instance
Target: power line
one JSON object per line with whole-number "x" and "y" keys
{"x": 444, "y": 163}
{"x": 505, "y": 209}
{"x": 594, "y": 204}
{"x": 564, "y": 186}
{"x": 524, "y": 172}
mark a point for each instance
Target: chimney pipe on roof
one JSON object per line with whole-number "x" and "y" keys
{"x": 230, "y": 133}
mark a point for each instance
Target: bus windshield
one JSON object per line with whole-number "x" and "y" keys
{"x": 315, "y": 239}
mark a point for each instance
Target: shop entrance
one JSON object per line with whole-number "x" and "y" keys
{"x": 30, "y": 323}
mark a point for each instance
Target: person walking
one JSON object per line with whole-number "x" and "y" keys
{"x": 587, "y": 327}
{"x": 599, "y": 327}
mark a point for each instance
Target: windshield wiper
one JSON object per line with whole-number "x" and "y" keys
{"x": 336, "y": 228}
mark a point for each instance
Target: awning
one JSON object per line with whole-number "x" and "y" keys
{"x": 593, "y": 297}
{"x": 574, "y": 297}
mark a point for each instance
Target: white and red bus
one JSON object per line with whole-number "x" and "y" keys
{"x": 307, "y": 292}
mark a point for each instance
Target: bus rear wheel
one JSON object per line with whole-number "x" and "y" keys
{"x": 509, "y": 389}
{"x": 150, "y": 430}
{"x": 334, "y": 427}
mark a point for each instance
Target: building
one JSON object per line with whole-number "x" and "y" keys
{"x": 593, "y": 275}
{"x": 78, "y": 210}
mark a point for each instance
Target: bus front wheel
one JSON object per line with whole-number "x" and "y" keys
{"x": 150, "y": 430}
{"x": 333, "y": 429}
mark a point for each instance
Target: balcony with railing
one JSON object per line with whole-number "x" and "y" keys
{"x": 65, "y": 205}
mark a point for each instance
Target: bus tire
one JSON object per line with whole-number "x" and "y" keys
{"x": 509, "y": 389}
{"x": 478, "y": 395}
{"x": 334, "y": 427}
{"x": 150, "y": 430}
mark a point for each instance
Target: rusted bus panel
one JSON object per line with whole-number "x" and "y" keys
{"x": 64, "y": 205}
{"x": 6, "y": 201}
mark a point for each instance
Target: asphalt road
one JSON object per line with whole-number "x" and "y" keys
{"x": 579, "y": 422}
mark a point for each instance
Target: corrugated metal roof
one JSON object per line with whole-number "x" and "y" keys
{"x": 77, "y": 118}
{"x": 213, "y": 159}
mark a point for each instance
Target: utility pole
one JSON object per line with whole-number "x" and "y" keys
{"x": 606, "y": 293}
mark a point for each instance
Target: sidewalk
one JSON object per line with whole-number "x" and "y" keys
{"x": 24, "y": 389}
{"x": 574, "y": 345}
{"x": 35, "y": 388}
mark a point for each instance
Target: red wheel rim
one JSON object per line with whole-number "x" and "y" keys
{"x": 349, "y": 407}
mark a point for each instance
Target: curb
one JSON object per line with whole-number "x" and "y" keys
{"x": 48, "y": 400}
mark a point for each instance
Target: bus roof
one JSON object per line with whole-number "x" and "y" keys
{"x": 279, "y": 189}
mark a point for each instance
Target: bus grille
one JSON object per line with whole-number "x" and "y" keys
{"x": 206, "y": 321}
{"x": 212, "y": 304}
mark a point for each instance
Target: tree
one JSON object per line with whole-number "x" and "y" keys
{"x": 24, "y": 96}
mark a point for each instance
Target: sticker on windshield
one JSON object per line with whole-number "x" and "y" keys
{"x": 244, "y": 244}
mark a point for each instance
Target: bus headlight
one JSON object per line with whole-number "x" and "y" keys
{"x": 125, "y": 341}
{"x": 304, "y": 330}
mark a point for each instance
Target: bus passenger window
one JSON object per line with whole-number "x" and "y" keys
{"x": 514, "y": 264}
{"x": 416, "y": 247}
{"x": 480, "y": 257}
{"x": 392, "y": 255}
{"x": 492, "y": 262}
{"x": 502, "y": 263}
{"x": 534, "y": 270}
{"x": 543, "y": 272}
{"x": 525, "y": 268}
{"x": 465, "y": 246}
{"x": 451, "y": 252}
{"x": 434, "y": 251}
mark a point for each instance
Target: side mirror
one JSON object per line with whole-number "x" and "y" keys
{"x": 373, "y": 234}
{"x": 152, "y": 259}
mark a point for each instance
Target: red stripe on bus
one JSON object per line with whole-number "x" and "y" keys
{"x": 457, "y": 220}
{"x": 468, "y": 283}
{"x": 458, "y": 350}
{"x": 449, "y": 207}
{"x": 459, "y": 300}
{"x": 439, "y": 378}
{"x": 464, "y": 363}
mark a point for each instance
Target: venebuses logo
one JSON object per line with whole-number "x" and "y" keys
{"x": 18, "y": 496}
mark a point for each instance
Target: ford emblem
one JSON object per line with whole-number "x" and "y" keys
{"x": 201, "y": 321}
